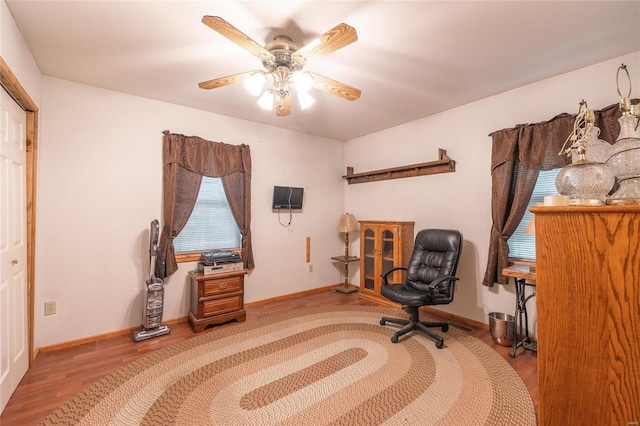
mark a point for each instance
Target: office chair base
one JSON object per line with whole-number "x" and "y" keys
{"x": 415, "y": 324}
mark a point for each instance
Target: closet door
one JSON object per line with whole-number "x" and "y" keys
{"x": 14, "y": 327}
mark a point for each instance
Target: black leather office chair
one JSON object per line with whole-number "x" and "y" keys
{"x": 430, "y": 280}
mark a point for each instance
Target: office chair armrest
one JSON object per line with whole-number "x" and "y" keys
{"x": 384, "y": 276}
{"x": 433, "y": 284}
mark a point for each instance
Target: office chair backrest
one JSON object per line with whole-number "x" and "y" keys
{"x": 436, "y": 253}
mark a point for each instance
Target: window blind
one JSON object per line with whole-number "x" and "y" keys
{"x": 211, "y": 224}
{"x": 522, "y": 245}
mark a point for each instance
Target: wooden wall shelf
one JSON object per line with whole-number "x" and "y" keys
{"x": 443, "y": 165}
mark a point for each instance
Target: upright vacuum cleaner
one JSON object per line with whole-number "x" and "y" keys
{"x": 153, "y": 294}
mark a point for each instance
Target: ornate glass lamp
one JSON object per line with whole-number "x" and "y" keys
{"x": 624, "y": 154}
{"x": 595, "y": 149}
{"x": 586, "y": 181}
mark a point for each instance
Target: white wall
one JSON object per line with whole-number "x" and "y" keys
{"x": 100, "y": 185}
{"x": 16, "y": 54}
{"x": 462, "y": 199}
{"x": 100, "y": 150}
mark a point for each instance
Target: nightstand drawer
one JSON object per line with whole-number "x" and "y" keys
{"x": 212, "y": 287}
{"x": 222, "y": 306}
{"x": 216, "y": 299}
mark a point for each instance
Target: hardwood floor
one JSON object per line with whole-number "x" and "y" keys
{"x": 59, "y": 375}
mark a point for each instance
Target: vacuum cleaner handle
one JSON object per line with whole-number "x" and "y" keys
{"x": 154, "y": 234}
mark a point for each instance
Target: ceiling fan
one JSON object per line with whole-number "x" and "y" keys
{"x": 283, "y": 61}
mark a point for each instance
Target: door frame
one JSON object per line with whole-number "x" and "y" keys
{"x": 11, "y": 84}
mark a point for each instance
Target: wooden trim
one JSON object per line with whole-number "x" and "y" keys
{"x": 195, "y": 257}
{"x": 294, "y": 295}
{"x": 10, "y": 82}
{"x": 92, "y": 339}
{"x": 190, "y": 257}
{"x": 612, "y": 208}
{"x": 15, "y": 89}
{"x": 444, "y": 164}
{"x": 429, "y": 309}
{"x": 529, "y": 263}
{"x": 455, "y": 318}
{"x": 379, "y": 300}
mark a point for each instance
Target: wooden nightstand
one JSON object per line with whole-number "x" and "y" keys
{"x": 216, "y": 299}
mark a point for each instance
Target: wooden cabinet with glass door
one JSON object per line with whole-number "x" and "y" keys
{"x": 383, "y": 245}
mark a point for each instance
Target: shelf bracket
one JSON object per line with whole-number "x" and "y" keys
{"x": 443, "y": 165}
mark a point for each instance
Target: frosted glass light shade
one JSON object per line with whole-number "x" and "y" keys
{"x": 255, "y": 83}
{"x": 302, "y": 81}
{"x": 266, "y": 101}
{"x": 305, "y": 100}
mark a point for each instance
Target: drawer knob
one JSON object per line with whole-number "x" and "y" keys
{"x": 222, "y": 285}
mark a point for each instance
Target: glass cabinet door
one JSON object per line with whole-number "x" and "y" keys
{"x": 383, "y": 246}
{"x": 369, "y": 254}
{"x": 387, "y": 251}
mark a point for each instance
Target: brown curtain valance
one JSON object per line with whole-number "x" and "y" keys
{"x": 518, "y": 155}
{"x": 185, "y": 160}
{"x": 212, "y": 159}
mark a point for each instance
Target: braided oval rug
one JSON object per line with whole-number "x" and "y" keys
{"x": 326, "y": 365}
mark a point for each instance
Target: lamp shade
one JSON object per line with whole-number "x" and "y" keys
{"x": 348, "y": 223}
{"x": 531, "y": 227}
{"x": 255, "y": 83}
{"x": 302, "y": 81}
{"x": 305, "y": 100}
{"x": 266, "y": 101}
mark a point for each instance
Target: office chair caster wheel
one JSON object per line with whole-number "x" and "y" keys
{"x": 445, "y": 328}
{"x": 394, "y": 339}
{"x": 439, "y": 344}
{"x": 382, "y": 322}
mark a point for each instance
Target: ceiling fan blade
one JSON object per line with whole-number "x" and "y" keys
{"x": 235, "y": 35}
{"x": 283, "y": 106}
{"x": 224, "y": 81}
{"x": 335, "y": 87}
{"x": 334, "y": 39}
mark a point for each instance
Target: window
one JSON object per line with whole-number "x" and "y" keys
{"x": 521, "y": 244}
{"x": 211, "y": 224}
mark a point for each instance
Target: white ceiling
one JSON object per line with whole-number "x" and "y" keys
{"x": 412, "y": 58}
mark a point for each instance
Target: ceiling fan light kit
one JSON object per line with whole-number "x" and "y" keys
{"x": 266, "y": 101}
{"x": 283, "y": 62}
{"x": 255, "y": 83}
{"x": 305, "y": 100}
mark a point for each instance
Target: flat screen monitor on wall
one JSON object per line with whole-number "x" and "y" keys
{"x": 287, "y": 197}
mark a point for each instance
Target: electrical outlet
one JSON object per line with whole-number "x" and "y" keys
{"x": 49, "y": 308}
{"x": 311, "y": 267}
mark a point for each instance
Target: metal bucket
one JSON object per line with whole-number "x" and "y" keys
{"x": 502, "y": 328}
